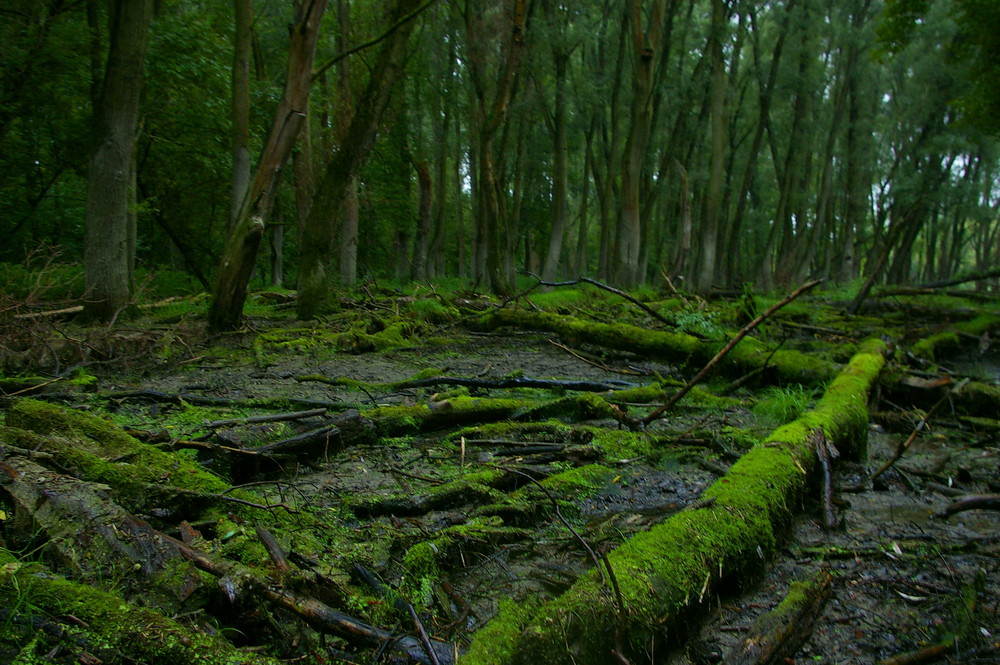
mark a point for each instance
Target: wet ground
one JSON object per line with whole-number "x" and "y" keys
{"x": 897, "y": 570}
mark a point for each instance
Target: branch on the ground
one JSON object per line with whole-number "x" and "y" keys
{"x": 972, "y": 502}
{"x": 905, "y": 445}
{"x": 746, "y": 330}
{"x": 779, "y": 633}
{"x": 484, "y": 384}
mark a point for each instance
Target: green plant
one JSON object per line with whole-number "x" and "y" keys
{"x": 778, "y": 406}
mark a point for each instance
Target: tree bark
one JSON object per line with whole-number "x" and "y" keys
{"x": 316, "y": 283}
{"x": 708, "y": 236}
{"x": 240, "y": 254}
{"x": 645, "y": 46}
{"x": 492, "y": 101}
{"x": 240, "y": 109}
{"x": 106, "y": 247}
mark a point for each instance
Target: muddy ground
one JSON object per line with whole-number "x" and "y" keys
{"x": 897, "y": 568}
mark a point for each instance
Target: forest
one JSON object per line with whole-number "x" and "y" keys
{"x": 499, "y": 332}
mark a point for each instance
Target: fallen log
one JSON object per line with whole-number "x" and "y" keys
{"x": 785, "y": 366}
{"x": 91, "y": 535}
{"x": 972, "y": 502}
{"x": 123, "y": 631}
{"x": 667, "y": 571}
{"x": 779, "y": 633}
{"x": 503, "y": 383}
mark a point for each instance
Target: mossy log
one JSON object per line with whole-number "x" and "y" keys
{"x": 948, "y": 341}
{"x": 666, "y": 572}
{"x": 784, "y": 366}
{"x": 91, "y": 535}
{"x": 782, "y": 631}
{"x": 458, "y": 411}
{"x": 109, "y": 628}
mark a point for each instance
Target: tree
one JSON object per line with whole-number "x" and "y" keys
{"x": 493, "y": 86}
{"x": 107, "y": 256}
{"x": 240, "y": 254}
{"x": 316, "y": 281}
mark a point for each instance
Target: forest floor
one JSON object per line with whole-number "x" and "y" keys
{"x": 906, "y": 581}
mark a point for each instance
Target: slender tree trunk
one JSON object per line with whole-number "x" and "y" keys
{"x": 645, "y": 47}
{"x": 560, "y": 171}
{"x": 492, "y": 101}
{"x": 424, "y": 220}
{"x": 240, "y": 110}
{"x": 106, "y": 246}
{"x": 240, "y": 254}
{"x": 709, "y": 234}
{"x": 316, "y": 283}
{"x": 349, "y": 229}
{"x": 736, "y": 255}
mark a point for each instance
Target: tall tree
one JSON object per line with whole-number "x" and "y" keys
{"x": 317, "y": 268}
{"x": 493, "y": 85}
{"x": 647, "y": 37}
{"x": 107, "y": 259}
{"x": 240, "y": 254}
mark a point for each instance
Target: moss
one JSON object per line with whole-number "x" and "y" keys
{"x": 496, "y": 643}
{"x": 785, "y": 365}
{"x": 112, "y": 624}
{"x": 948, "y": 341}
{"x": 406, "y": 420}
{"x": 640, "y": 394}
{"x": 673, "y": 566}
{"x": 433, "y": 311}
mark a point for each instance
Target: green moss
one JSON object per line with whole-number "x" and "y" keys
{"x": 434, "y": 311}
{"x": 110, "y": 622}
{"x": 673, "y": 565}
{"x": 406, "y": 420}
{"x": 785, "y": 365}
{"x": 497, "y": 641}
{"x": 948, "y": 341}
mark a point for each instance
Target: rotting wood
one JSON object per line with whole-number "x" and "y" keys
{"x": 485, "y": 384}
{"x": 826, "y": 453}
{"x": 139, "y": 634}
{"x": 905, "y": 445}
{"x": 782, "y": 631}
{"x": 601, "y": 285}
{"x": 271, "y": 418}
{"x": 669, "y": 570}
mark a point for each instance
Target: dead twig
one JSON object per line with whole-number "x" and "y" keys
{"x": 610, "y": 289}
{"x": 555, "y": 504}
{"x": 726, "y": 349}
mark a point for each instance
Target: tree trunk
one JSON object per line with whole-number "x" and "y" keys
{"x": 492, "y": 101}
{"x": 713, "y": 199}
{"x": 645, "y": 46}
{"x": 560, "y": 171}
{"x": 316, "y": 284}
{"x": 421, "y": 247}
{"x": 240, "y": 253}
{"x": 240, "y": 109}
{"x": 106, "y": 251}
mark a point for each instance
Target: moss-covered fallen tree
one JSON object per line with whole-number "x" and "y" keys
{"x": 97, "y": 626}
{"x": 657, "y": 578}
{"x": 784, "y": 366}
